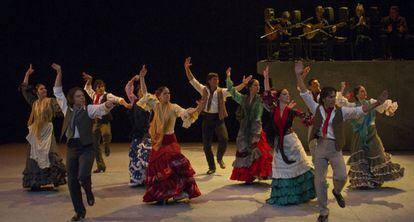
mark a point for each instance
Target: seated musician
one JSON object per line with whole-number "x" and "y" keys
{"x": 324, "y": 35}
{"x": 361, "y": 33}
{"x": 394, "y": 31}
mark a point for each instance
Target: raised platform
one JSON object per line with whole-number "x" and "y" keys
{"x": 395, "y": 76}
{"x": 221, "y": 199}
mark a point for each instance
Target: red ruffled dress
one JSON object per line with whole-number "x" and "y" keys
{"x": 169, "y": 173}
{"x": 261, "y": 168}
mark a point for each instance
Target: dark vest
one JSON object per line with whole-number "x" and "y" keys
{"x": 82, "y": 122}
{"x": 108, "y": 117}
{"x": 337, "y": 124}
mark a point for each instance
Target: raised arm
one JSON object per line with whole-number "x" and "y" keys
{"x": 238, "y": 97}
{"x": 266, "y": 78}
{"x": 129, "y": 89}
{"x": 193, "y": 81}
{"x": 57, "y": 89}
{"x": 299, "y": 70}
{"x": 357, "y": 112}
{"x": 304, "y": 93}
{"x": 188, "y": 73}
{"x": 142, "y": 75}
{"x": 25, "y": 89}
{"x": 88, "y": 84}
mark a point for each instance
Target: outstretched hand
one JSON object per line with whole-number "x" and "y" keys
{"x": 86, "y": 77}
{"x": 291, "y": 104}
{"x": 247, "y": 79}
{"x": 187, "y": 63}
{"x": 228, "y": 72}
{"x": 30, "y": 70}
{"x": 56, "y": 67}
{"x": 306, "y": 71}
{"x": 299, "y": 67}
{"x": 143, "y": 71}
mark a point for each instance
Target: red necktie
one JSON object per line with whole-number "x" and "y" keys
{"x": 328, "y": 113}
{"x": 97, "y": 97}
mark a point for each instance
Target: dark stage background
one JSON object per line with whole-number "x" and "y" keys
{"x": 112, "y": 39}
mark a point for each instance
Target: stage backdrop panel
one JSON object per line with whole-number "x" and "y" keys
{"x": 397, "y": 133}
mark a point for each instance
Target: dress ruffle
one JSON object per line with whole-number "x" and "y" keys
{"x": 34, "y": 177}
{"x": 372, "y": 172}
{"x": 139, "y": 154}
{"x": 169, "y": 173}
{"x": 292, "y": 191}
{"x": 260, "y": 168}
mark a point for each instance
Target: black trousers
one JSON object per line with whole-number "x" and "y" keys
{"x": 79, "y": 164}
{"x": 213, "y": 125}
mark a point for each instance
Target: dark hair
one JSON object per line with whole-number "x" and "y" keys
{"x": 70, "y": 97}
{"x": 97, "y": 83}
{"x": 396, "y": 8}
{"x": 250, "y": 83}
{"x": 210, "y": 76}
{"x": 37, "y": 86}
{"x": 160, "y": 90}
{"x": 356, "y": 91}
{"x": 325, "y": 92}
{"x": 310, "y": 81}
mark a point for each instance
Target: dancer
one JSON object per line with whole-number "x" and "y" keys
{"x": 292, "y": 172}
{"x": 77, "y": 126}
{"x": 328, "y": 128}
{"x": 169, "y": 172}
{"x": 213, "y": 115}
{"x": 140, "y": 149}
{"x": 370, "y": 165}
{"x": 44, "y": 166}
{"x": 253, "y": 158}
{"x": 101, "y": 126}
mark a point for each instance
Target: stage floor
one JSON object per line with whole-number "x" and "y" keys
{"x": 221, "y": 200}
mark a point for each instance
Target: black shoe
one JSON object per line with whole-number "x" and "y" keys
{"x": 90, "y": 198}
{"x": 339, "y": 199}
{"x": 222, "y": 164}
{"x": 211, "y": 171}
{"x": 78, "y": 217}
{"x": 107, "y": 151}
{"x": 323, "y": 218}
{"x": 99, "y": 170}
{"x": 35, "y": 188}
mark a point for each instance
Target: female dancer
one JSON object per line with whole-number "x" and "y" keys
{"x": 253, "y": 158}
{"x": 141, "y": 143}
{"x": 169, "y": 173}
{"x": 43, "y": 164}
{"x": 292, "y": 173}
{"x": 370, "y": 165}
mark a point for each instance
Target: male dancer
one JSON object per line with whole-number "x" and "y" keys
{"x": 328, "y": 129}
{"x": 101, "y": 126}
{"x": 214, "y": 114}
{"x": 77, "y": 126}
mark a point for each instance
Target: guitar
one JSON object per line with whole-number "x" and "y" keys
{"x": 308, "y": 28}
{"x": 272, "y": 33}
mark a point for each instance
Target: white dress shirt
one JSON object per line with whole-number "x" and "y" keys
{"x": 214, "y": 103}
{"x": 347, "y": 112}
{"x": 94, "y": 111}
